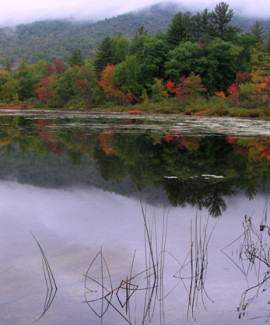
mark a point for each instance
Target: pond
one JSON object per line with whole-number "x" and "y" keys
{"x": 133, "y": 219}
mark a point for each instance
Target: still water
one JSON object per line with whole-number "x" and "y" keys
{"x": 133, "y": 219}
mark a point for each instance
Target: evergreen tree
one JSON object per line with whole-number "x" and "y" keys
{"x": 136, "y": 47}
{"x": 120, "y": 48}
{"x": 202, "y": 26}
{"x": 267, "y": 43}
{"x": 104, "y": 55}
{"x": 141, "y": 31}
{"x": 220, "y": 20}
{"x": 258, "y": 32}
{"x": 7, "y": 65}
{"x": 75, "y": 58}
{"x": 177, "y": 31}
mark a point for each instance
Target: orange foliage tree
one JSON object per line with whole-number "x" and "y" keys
{"x": 46, "y": 87}
{"x": 110, "y": 87}
{"x": 257, "y": 90}
{"x": 190, "y": 87}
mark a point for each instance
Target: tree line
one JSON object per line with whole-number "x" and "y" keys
{"x": 200, "y": 56}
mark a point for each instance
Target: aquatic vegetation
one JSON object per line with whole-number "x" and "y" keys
{"x": 197, "y": 261}
{"x": 49, "y": 280}
{"x": 253, "y": 259}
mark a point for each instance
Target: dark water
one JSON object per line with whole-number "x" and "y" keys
{"x": 125, "y": 219}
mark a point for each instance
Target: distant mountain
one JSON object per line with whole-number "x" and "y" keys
{"x": 55, "y": 39}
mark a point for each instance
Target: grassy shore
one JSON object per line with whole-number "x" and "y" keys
{"x": 202, "y": 107}
{"x": 199, "y": 107}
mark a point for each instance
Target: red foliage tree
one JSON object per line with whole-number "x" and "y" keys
{"x": 186, "y": 87}
{"x": 46, "y": 87}
{"x": 59, "y": 66}
{"x": 111, "y": 88}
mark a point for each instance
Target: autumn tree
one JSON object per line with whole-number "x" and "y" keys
{"x": 259, "y": 58}
{"x": 190, "y": 87}
{"x": 111, "y": 88}
{"x": 8, "y": 86}
{"x": 59, "y": 66}
{"x": 157, "y": 91}
{"x": 46, "y": 88}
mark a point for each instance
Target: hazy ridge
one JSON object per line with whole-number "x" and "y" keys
{"x": 55, "y": 39}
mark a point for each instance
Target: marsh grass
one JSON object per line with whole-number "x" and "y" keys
{"x": 49, "y": 280}
{"x": 197, "y": 262}
{"x": 253, "y": 256}
{"x": 146, "y": 285}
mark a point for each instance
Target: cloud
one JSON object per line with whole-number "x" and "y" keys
{"x": 16, "y": 11}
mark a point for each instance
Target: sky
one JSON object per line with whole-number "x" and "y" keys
{"x": 17, "y": 11}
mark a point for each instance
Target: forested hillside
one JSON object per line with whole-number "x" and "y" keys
{"x": 200, "y": 57}
{"x": 55, "y": 39}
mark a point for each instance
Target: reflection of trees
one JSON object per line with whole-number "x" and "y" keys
{"x": 198, "y": 192}
{"x": 171, "y": 161}
{"x": 110, "y": 167}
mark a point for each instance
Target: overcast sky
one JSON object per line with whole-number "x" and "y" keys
{"x": 18, "y": 11}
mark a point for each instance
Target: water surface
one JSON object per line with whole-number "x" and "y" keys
{"x": 118, "y": 219}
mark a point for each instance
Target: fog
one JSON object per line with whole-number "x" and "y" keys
{"x": 15, "y": 11}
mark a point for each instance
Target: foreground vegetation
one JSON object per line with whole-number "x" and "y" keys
{"x": 201, "y": 65}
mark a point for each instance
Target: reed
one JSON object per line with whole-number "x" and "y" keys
{"x": 253, "y": 256}
{"x": 49, "y": 280}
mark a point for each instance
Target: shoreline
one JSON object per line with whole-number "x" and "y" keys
{"x": 160, "y": 108}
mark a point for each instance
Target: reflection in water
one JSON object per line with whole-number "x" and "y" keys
{"x": 147, "y": 285}
{"x": 76, "y": 167}
{"x": 197, "y": 260}
{"x": 190, "y": 167}
{"x": 103, "y": 290}
{"x": 254, "y": 256}
{"x": 123, "y": 298}
{"x": 49, "y": 279}
{"x": 75, "y": 223}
